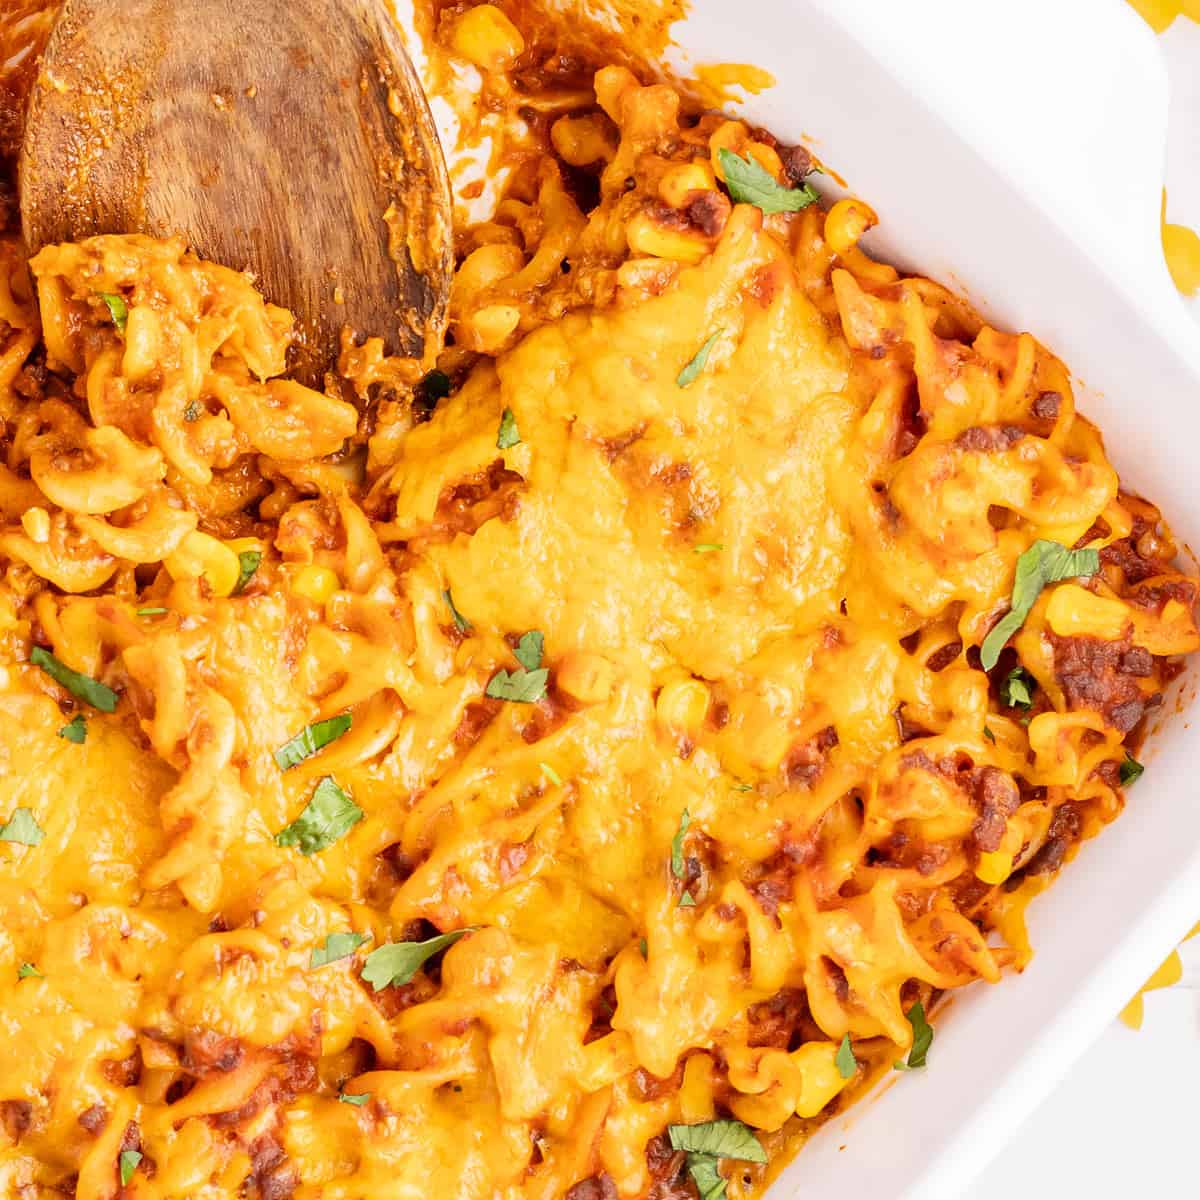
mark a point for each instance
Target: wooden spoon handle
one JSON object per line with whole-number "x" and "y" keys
{"x": 290, "y": 138}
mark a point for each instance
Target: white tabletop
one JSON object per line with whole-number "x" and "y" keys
{"x": 1123, "y": 1123}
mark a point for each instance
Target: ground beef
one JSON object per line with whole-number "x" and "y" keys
{"x": 596, "y": 1187}
{"x": 667, "y": 1181}
{"x": 1096, "y": 675}
{"x": 1065, "y": 828}
{"x": 206, "y": 1050}
{"x": 996, "y": 797}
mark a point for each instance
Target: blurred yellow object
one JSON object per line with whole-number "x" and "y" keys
{"x": 1161, "y": 13}
{"x": 1167, "y": 975}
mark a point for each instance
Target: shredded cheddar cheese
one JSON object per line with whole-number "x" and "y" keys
{"x": 574, "y": 775}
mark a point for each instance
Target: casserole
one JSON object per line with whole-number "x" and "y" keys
{"x": 1013, "y": 193}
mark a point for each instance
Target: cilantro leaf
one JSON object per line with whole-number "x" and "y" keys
{"x": 117, "y": 309}
{"x": 509, "y": 434}
{"x": 22, "y": 829}
{"x": 922, "y": 1039}
{"x": 460, "y": 622}
{"x": 522, "y": 687}
{"x": 551, "y": 774}
{"x": 987, "y": 733}
{"x": 129, "y": 1161}
{"x": 696, "y": 363}
{"x": 1017, "y": 689}
{"x": 644, "y": 947}
{"x": 529, "y": 650}
{"x": 329, "y": 815}
{"x": 152, "y": 612}
{"x": 336, "y": 947}
{"x": 1131, "y": 770}
{"x": 720, "y": 1139}
{"x": 29, "y": 971}
{"x": 751, "y": 183}
{"x": 708, "y": 547}
{"x": 75, "y": 730}
{"x": 677, "y": 866}
{"x": 845, "y": 1061}
{"x": 248, "y": 563}
{"x": 710, "y": 1183}
{"x": 395, "y": 963}
{"x": 310, "y": 739}
{"x": 687, "y": 900}
{"x": 1042, "y": 564}
{"x": 357, "y": 1100}
{"x": 82, "y": 687}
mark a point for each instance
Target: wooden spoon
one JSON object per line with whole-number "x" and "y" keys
{"x": 289, "y": 138}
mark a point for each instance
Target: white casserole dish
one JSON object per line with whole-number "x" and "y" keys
{"x": 1015, "y": 152}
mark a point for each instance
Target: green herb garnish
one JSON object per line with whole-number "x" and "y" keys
{"x": 329, "y": 815}
{"x": 460, "y": 622}
{"x": 1131, "y": 770}
{"x": 677, "y": 864}
{"x": 845, "y": 1061}
{"x": 751, "y": 183}
{"x": 528, "y": 683}
{"x": 248, "y": 562}
{"x": 22, "y": 829}
{"x": 117, "y": 309}
{"x": 310, "y": 739}
{"x": 82, "y": 687}
{"x": 708, "y": 547}
{"x": 509, "y": 435}
{"x": 551, "y": 774}
{"x": 357, "y": 1100}
{"x": 29, "y": 971}
{"x": 152, "y": 612}
{"x": 987, "y": 733}
{"x": 129, "y": 1161}
{"x": 687, "y": 900}
{"x": 336, "y": 947}
{"x": 922, "y": 1039}
{"x": 395, "y": 963}
{"x": 75, "y": 730}
{"x": 1042, "y": 564}
{"x": 695, "y": 364}
{"x": 706, "y": 1143}
{"x": 1017, "y": 689}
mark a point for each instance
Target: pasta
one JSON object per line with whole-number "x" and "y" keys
{"x": 578, "y": 769}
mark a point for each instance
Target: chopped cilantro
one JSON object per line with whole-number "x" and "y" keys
{"x": 751, "y": 183}
{"x": 1131, "y": 770}
{"x": 844, "y": 1060}
{"x": 117, "y": 309}
{"x": 329, "y": 815}
{"x": 397, "y": 962}
{"x": 82, "y": 687}
{"x": 311, "y": 739}
{"x": 460, "y": 622}
{"x": 22, "y": 829}
{"x": 248, "y": 563}
{"x": 336, "y": 947}
{"x": 922, "y": 1039}
{"x": 75, "y": 730}
{"x": 1042, "y": 564}
{"x": 691, "y": 371}
{"x": 509, "y": 434}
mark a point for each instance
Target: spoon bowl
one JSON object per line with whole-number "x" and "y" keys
{"x": 289, "y": 138}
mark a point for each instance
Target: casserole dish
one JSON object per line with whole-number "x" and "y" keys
{"x": 986, "y": 137}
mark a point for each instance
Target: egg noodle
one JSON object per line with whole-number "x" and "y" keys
{"x": 639, "y": 647}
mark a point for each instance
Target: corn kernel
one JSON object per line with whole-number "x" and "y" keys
{"x": 586, "y": 678}
{"x": 488, "y": 329}
{"x": 315, "y": 583}
{"x": 584, "y": 140}
{"x": 1073, "y": 611}
{"x": 682, "y": 705}
{"x": 681, "y": 180}
{"x": 200, "y": 555}
{"x": 846, "y": 222}
{"x": 647, "y": 237}
{"x": 484, "y": 267}
{"x": 483, "y": 35}
{"x": 36, "y": 523}
{"x": 994, "y": 867}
